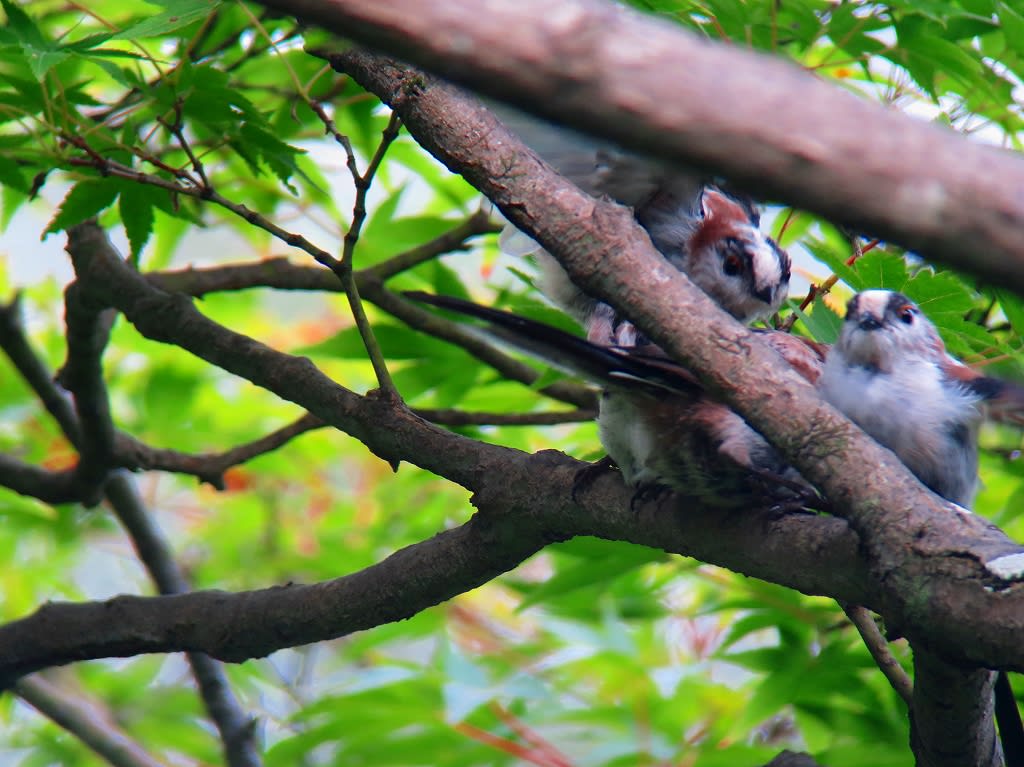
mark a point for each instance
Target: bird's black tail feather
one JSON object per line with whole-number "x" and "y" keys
{"x": 624, "y": 367}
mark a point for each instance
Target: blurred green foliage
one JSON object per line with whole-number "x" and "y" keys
{"x": 594, "y": 652}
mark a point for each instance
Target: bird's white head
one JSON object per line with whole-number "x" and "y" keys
{"x": 733, "y": 261}
{"x": 883, "y": 327}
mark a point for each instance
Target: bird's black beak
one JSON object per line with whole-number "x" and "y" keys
{"x": 765, "y": 294}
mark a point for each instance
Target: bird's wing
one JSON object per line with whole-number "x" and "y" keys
{"x": 599, "y": 168}
{"x": 1002, "y": 401}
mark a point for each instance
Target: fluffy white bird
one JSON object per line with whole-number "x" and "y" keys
{"x": 889, "y": 373}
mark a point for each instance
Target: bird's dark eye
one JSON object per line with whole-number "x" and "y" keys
{"x": 732, "y": 265}
{"x": 906, "y": 314}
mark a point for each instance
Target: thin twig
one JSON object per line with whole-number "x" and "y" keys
{"x": 114, "y": 168}
{"x": 178, "y": 131}
{"x": 278, "y": 272}
{"x": 210, "y": 467}
{"x": 877, "y": 645}
{"x": 281, "y": 274}
{"x": 345, "y": 269}
{"x": 452, "y": 240}
{"x": 820, "y": 290}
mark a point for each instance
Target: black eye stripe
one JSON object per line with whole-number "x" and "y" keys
{"x": 896, "y": 302}
{"x": 736, "y": 248}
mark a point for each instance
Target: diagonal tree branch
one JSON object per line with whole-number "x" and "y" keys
{"x": 32, "y": 369}
{"x": 85, "y": 722}
{"x": 824, "y": 446}
{"x": 878, "y": 646}
{"x": 768, "y": 125}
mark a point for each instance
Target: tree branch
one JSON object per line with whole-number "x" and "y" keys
{"x": 85, "y": 722}
{"x": 54, "y": 487}
{"x": 345, "y": 269}
{"x": 760, "y": 120}
{"x": 452, "y": 240}
{"x": 25, "y": 360}
{"x": 88, "y": 331}
{"x": 951, "y": 720}
{"x": 521, "y": 511}
{"x": 878, "y": 646}
{"x": 606, "y": 253}
{"x": 525, "y": 503}
{"x": 209, "y": 467}
{"x": 171, "y": 318}
{"x": 235, "y": 727}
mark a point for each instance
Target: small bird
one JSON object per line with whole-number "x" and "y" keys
{"x": 657, "y": 422}
{"x": 710, "y": 235}
{"x": 889, "y": 373}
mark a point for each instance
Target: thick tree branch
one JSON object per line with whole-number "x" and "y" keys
{"x": 768, "y": 125}
{"x": 522, "y": 510}
{"x": 945, "y": 699}
{"x": 933, "y": 559}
